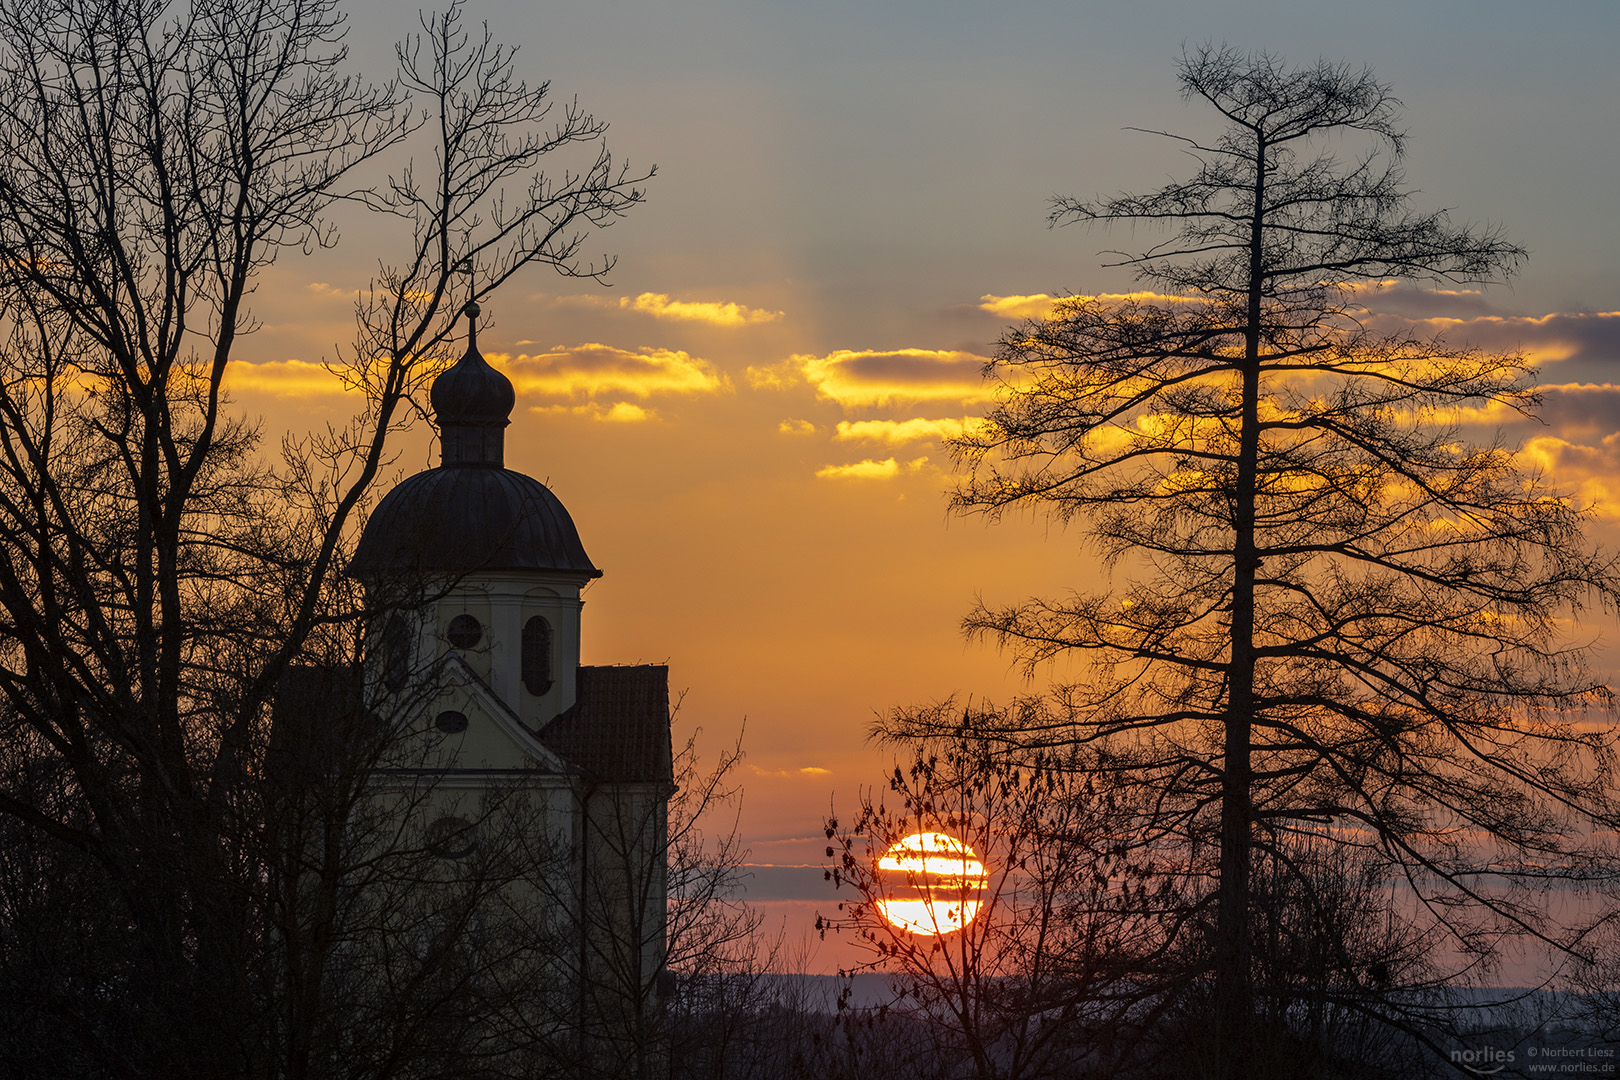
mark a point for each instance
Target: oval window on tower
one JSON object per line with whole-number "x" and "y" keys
{"x": 537, "y": 656}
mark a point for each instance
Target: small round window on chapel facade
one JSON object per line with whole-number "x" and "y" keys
{"x": 465, "y": 631}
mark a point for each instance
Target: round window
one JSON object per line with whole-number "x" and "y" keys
{"x": 465, "y": 631}
{"x": 451, "y": 722}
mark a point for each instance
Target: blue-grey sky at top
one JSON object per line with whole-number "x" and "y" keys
{"x": 878, "y": 158}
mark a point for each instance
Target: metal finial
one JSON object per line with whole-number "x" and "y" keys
{"x": 472, "y": 311}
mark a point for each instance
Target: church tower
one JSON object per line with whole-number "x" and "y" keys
{"x": 473, "y": 574}
{"x": 498, "y": 544}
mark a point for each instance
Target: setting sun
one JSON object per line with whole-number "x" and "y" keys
{"x": 934, "y": 882}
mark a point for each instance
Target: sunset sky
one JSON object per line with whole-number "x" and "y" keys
{"x": 850, "y": 207}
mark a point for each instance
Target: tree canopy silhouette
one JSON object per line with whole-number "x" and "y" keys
{"x": 1047, "y": 942}
{"x": 159, "y": 580}
{"x": 1334, "y": 613}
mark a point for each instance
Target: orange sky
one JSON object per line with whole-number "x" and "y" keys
{"x": 772, "y": 522}
{"x": 747, "y": 426}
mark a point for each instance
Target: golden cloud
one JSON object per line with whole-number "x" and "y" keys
{"x": 623, "y": 412}
{"x": 878, "y": 378}
{"x": 1592, "y": 473}
{"x": 777, "y": 376}
{"x": 1559, "y": 337}
{"x": 620, "y": 412}
{"x": 796, "y": 427}
{"x": 1038, "y": 306}
{"x": 716, "y": 313}
{"x": 660, "y": 306}
{"x": 582, "y": 371}
{"x": 808, "y": 770}
{"x": 897, "y": 432}
{"x": 861, "y": 470}
{"x": 590, "y": 370}
{"x": 1580, "y": 410}
{"x": 1044, "y": 306}
{"x": 869, "y": 470}
{"x": 283, "y": 378}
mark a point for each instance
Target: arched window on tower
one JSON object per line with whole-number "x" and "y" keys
{"x": 396, "y": 653}
{"x": 537, "y": 656}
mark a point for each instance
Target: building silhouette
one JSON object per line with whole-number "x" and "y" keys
{"x": 473, "y": 574}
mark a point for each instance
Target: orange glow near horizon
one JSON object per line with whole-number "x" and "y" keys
{"x": 939, "y": 879}
{"x": 756, "y": 538}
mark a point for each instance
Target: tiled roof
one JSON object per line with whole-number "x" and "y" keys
{"x": 618, "y": 727}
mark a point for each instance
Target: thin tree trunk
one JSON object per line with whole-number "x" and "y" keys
{"x": 1233, "y": 993}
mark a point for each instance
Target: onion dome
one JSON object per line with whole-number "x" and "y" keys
{"x": 470, "y": 514}
{"x": 472, "y": 403}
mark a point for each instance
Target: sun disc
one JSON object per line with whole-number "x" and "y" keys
{"x": 931, "y": 883}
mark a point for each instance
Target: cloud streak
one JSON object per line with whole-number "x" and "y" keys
{"x": 870, "y": 470}
{"x": 807, "y": 770}
{"x": 283, "y": 378}
{"x": 620, "y": 412}
{"x": 1587, "y": 344}
{"x": 1591, "y": 473}
{"x": 863, "y": 378}
{"x": 1037, "y": 306}
{"x": 1044, "y": 305}
{"x": 716, "y": 313}
{"x": 660, "y": 306}
{"x": 592, "y": 370}
{"x": 899, "y": 432}
{"x": 1590, "y": 338}
{"x": 1581, "y": 408}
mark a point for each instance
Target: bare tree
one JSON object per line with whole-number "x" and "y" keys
{"x": 658, "y": 908}
{"x": 1038, "y": 938}
{"x": 718, "y": 953}
{"x": 158, "y": 579}
{"x": 1336, "y": 613}
{"x": 1347, "y": 981}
